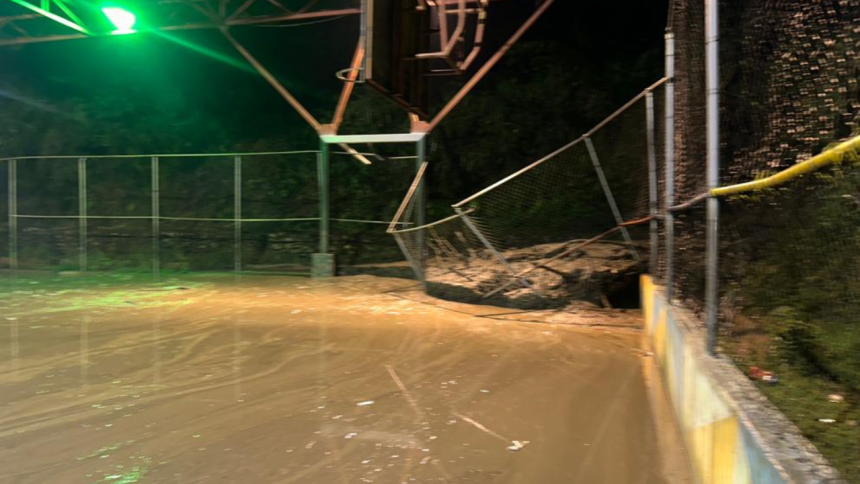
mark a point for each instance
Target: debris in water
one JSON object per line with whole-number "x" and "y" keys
{"x": 835, "y": 398}
{"x": 517, "y": 445}
{"x": 364, "y": 404}
{"x": 350, "y": 435}
{"x": 485, "y": 391}
{"x": 826, "y": 420}
{"x": 425, "y": 460}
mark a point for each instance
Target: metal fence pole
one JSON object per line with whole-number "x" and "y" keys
{"x": 474, "y": 228}
{"x": 322, "y": 179}
{"x": 156, "y": 221}
{"x": 712, "y": 26}
{"x": 419, "y": 269}
{"x": 237, "y": 213}
{"x": 609, "y": 198}
{"x": 13, "y": 214}
{"x": 652, "y": 182}
{"x": 82, "y": 214}
{"x": 669, "y": 175}
{"x": 420, "y": 200}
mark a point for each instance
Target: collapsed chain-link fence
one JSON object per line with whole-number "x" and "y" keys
{"x": 569, "y": 228}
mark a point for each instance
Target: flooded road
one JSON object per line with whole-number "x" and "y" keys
{"x": 282, "y": 380}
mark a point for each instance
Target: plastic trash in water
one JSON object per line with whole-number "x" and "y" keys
{"x": 517, "y": 445}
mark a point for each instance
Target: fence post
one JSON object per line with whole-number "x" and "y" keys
{"x": 322, "y": 179}
{"x": 712, "y": 26}
{"x": 13, "y": 214}
{"x": 82, "y": 214}
{"x": 652, "y": 182}
{"x": 609, "y": 198}
{"x": 421, "y": 197}
{"x": 669, "y": 176}
{"x": 156, "y": 222}
{"x": 322, "y": 263}
{"x": 237, "y": 213}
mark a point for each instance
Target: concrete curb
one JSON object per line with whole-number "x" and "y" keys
{"x": 733, "y": 433}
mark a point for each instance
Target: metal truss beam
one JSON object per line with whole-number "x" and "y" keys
{"x": 46, "y": 13}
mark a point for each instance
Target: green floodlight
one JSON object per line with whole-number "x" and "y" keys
{"x": 122, "y": 19}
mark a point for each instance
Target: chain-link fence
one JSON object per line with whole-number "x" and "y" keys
{"x": 248, "y": 212}
{"x": 784, "y": 301}
{"x": 569, "y": 228}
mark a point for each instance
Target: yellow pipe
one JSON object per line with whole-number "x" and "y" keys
{"x": 833, "y": 156}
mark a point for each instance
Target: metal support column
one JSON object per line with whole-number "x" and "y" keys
{"x": 609, "y": 198}
{"x": 237, "y": 213}
{"x": 652, "y": 183}
{"x": 82, "y": 214}
{"x": 669, "y": 175}
{"x": 420, "y": 198}
{"x": 322, "y": 179}
{"x": 156, "y": 221}
{"x": 13, "y": 214}
{"x": 712, "y": 26}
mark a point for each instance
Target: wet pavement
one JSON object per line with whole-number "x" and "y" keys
{"x": 287, "y": 380}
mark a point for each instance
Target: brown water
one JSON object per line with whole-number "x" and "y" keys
{"x": 274, "y": 380}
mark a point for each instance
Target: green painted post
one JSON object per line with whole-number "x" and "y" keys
{"x": 322, "y": 179}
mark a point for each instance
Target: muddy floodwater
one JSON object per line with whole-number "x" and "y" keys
{"x": 265, "y": 379}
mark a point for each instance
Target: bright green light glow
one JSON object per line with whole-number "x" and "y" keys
{"x": 122, "y": 19}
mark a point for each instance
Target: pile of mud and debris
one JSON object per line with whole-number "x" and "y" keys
{"x": 601, "y": 273}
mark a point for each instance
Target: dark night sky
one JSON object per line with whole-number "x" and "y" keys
{"x": 156, "y": 70}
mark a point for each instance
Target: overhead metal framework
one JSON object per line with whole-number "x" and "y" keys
{"x": 36, "y": 21}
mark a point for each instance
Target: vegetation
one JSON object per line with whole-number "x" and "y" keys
{"x": 792, "y": 274}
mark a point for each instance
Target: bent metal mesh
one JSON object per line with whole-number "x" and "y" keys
{"x": 545, "y": 235}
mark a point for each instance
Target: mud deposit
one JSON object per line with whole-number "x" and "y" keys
{"x": 276, "y": 380}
